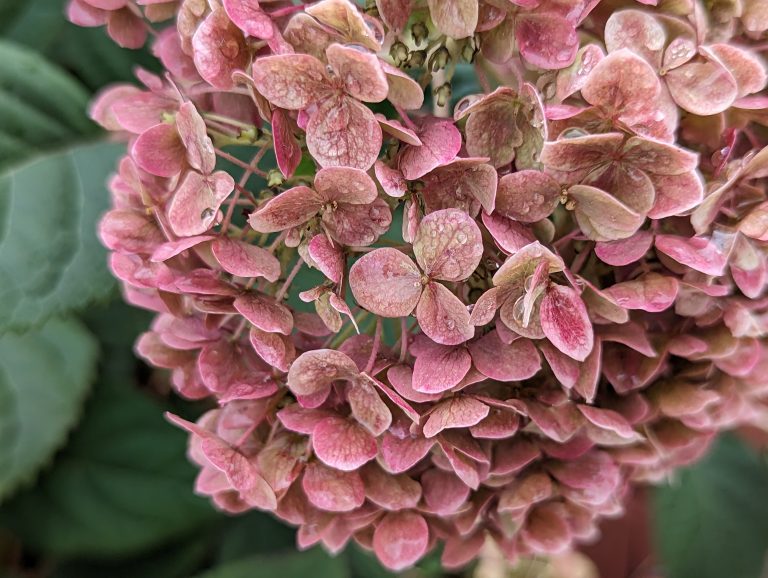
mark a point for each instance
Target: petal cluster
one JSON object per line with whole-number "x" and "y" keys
{"x": 521, "y": 302}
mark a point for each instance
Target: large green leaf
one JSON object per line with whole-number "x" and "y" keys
{"x": 315, "y": 563}
{"x": 713, "y": 521}
{"x": 51, "y": 261}
{"x": 123, "y": 483}
{"x": 41, "y": 106}
{"x": 44, "y": 377}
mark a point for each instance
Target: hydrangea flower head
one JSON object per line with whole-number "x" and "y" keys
{"x": 524, "y": 300}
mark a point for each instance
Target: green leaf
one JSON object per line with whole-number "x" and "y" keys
{"x": 44, "y": 377}
{"x": 315, "y": 563}
{"x": 237, "y": 538}
{"x": 713, "y": 522}
{"x": 41, "y": 106}
{"x": 122, "y": 485}
{"x": 51, "y": 261}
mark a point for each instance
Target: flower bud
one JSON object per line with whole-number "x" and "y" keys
{"x": 420, "y": 32}
{"x": 443, "y": 94}
{"x": 440, "y": 59}
{"x": 417, "y": 59}
{"x": 274, "y": 178}
{"x": 399, "y": 53}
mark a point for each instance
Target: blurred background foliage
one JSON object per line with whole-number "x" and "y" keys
{"x": 93, "y": 481}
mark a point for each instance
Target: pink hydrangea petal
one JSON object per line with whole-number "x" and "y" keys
{"x": 141, "y": 111}
{"x": 388, "y": 491}
{"x": 287, "y": 150}
{"x": 290, "y": 208}
{"x": 444, "y": 493}
{"x": 386, "y": 282}
{"x": 456, "y": 412}
{"x": 492, "y": 129}
{"x": 395, "y": 12}
{"x": 651, "y": 292}
{"x": 527, "y": 196}
{"x": 345, "y": 116}
{"x": 464, "y": 184}
{"x": 747, "y": 69}
{"x": 448, "y": 245}
{"x": 513, "y": 455}
{"x": 245, "y": 260}
{"x": 360, "y": 71}
{"x": 219, "y": 49}
{"x": 126, "y": 29}
{"x": 368, "y": 408}
{"x": 358, "y": 225}
{"x": 536, "y": 34}
{"x": 346, "y": 19}
{"x": 332, "y": 490}
{"x": 129, "y": 231}
{"x": 702, "y": 88}
{"x": 625, "y": 251}
{"x": 442, "y": 316}
{"x": 291, "y": 81}
{"x": 265, "y": 313}
{"x": 499, "y": 425}
{"x": 328, "y": 257}
{"x": 526, "y": 491}
{"x": 639, "y": 31}
{"x": 748, "y": 268}
{"x": 699, "y": 253}
{"x": 676, "y": 194}
{"x": 345, "y": 185}
{"x": 343, "y": 444}
{"x": 566, "y": 323}
{"x": 85, "y": 14}
{"x": 509, "y": 235}
{"x": 566, "y": 369}
{"x": 401, "y": 454}
{"x": 514, "y": 362}
{"x": 302, "y": 420}
{"x": 195, "y": 204}
{"x": 403, "y": 90}
{"x": 440, "y": 143}
{"x": 276, "y": 349}
{"x": 580, "y": 154}
{"x": 609, "y": 420}
{"x": 192, "y": 130}
{"x": 160, "y": 151}
{"x": 250, "y": 18}
{"x": 454, "y": 18}
{"x": 318, "y": 369}
{"x": 546, "y": 530}
{"x": 392, "y": 180}
{"x": 440, "y": 368}
{"x": 602, "y": 217}
{"x": 396, "y": 129}
{"x": 570, "y": 80}
{"x": 400, "y": 539}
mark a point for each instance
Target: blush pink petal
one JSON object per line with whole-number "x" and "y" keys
{"x": 440, "y": 143}
{"x": 515, "y": 362}
{"x": 439, "y": 368}
{"x": 442, "y": 316}
{"x": 566, "y": 323}
{"x": 448, "y": 245}
{"x": 386, "y": 282}
{"x": 332, "y": 490}
{"x": 456, "y": 412}
{"x": 195, "y": 204}
{"x": 219, "y": 50}
{"x": 342, "y": 444}
{"x": 316, "y": 370}
{"x": 160, "y": 151}
{"x": 401, "y": 539}
{"x": 245, "y": 260}
{"x": 265, "y": 313}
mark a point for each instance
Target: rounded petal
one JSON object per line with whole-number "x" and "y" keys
{"x": 360, "y": 72}
{"x": 345, "y": 185}
{"x": 566, "y": 323}
{"x": 401, "y": 539}
{"x": 527, "y": 196}
{"x": 703, "y": 88}
{"x": 219, "y": 50}
{"x": 315, "y": 370}
{"x": 332, "y": 490}
{"x": 342, "y": 444}
{"x": 602, "y": 217}
{"x": 448, "y": 245}
{"x": 443, "y": 317}
{"x": 454, "y": 18}
{"x": 546, "y": 40}
{"x": 160, "y": 151}
{"x": 515, "y": 362}
{"x": 290, "y": 81}
{"x": 386, "y": 282}
{"x": 291, "y": 208}
{"x": 245, "y": 260}
{"x": 440, "y": 143}
{"x": 195, "y": 204}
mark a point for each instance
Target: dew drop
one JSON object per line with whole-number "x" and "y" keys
{"x": 207, "y": 214}
{"x": 461, "y": 238}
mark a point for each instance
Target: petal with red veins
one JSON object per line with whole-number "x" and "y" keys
{"x": 388, "y": 491}
{"x": 345, "y": 185}
{"x": 195, "y": 204}
{"x": 651, "y": 292}
{"x": 250, "y": 18}
{"x": 444, "y": 493}
{"x": 265, "y": 313}
{"x": 400, "y": 539}
{"x": 746, "y": 68}
{"x": 657, "y": 157}
{"x": 448, "y": 245}
{"x": 509, "y": 235}
{"x": 343, "y": 132}
{"x": 129, "y": 231}
{"x": 291, "y": 81}
{"x": 360, "y": 72}
{"x": 699, "y": 253}
{"x": 274, "y": 348}
{"x": 546, "y": 40}
{"x": 392, "y": 180}
{"x": 514, "y": 362}
{"x": 609, "y": 420}
{"x": 492, "y": 129}
{"x": 386, "y": 282}
{"x": 566, "y": 369}
{"x": 748, "y": 268}
{"x": 570, "y": 80}
{"x": 442, "y": 316}
{"x": 291, "y": 208}
{"x": 440, "y": 143}
{"x": 625, "y": 251}
{"x": 396, "y": 129}
{"x": 499, "y": 425}
{"x": 219, "y": 50}
{"x": 676, "y": 194}
{"x": 395, "y": 13}
{"x": 527, "y": 196}
{"x": 342, "y": 444}
{"x": 245, "y": 260}
{"x": 401, "y": 378}
{"x": 524, "y": 262}
{"x": 456, "y": 412}
{"x": 281, "y": 460}
{"x": 566, "y": 323}
{"x": 575, "y": 157}
{"x": 602, "y": 217}
{"x": 525, "y": 492}
{"x": 316, "y": 370}
{"x": 439, "y": 368}
{"x": 624, "y": 87}
{"x": 328, "y": 257}
{"x": 287, "y": 149}
{"x": 332, "y": 490}
{"x": 401, "y": 454}
{"x": 344, "y": 18}
{"x": 368, "y": 408}
{"x": 702, "y": 88}
{"x": 160, "y": 151}
{"x": 465, "y": 184}
{"x": 193, "y": 133}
